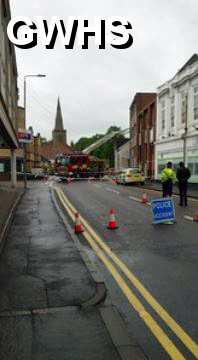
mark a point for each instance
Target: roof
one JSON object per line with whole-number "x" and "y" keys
{"x": 50, "y": 150}
{"x": 59, "y": 118}
{"x": 192, "y": 60}
{"x": 142, "y": 99}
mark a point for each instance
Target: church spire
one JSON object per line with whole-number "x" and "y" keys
{"x": 59, "y": 117}
{"x": 59, "y": 134}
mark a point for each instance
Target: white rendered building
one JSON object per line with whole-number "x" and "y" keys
{"x": 122, "y": 156}
{"x": 177, "y": 109}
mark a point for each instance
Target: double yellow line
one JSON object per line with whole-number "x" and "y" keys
{"x": 110, "y": 260}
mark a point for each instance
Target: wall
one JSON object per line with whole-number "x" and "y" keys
{"x": 8, "y": 82}
{"x": 122, "y": 157}
{"x": 142, "y": 132}
{"x": 171, "y": 121}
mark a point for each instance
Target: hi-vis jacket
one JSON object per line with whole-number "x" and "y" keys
{"x": 168, "y": 174}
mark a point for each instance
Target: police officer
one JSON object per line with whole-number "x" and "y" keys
{"x": 168, "y": 178}
{"x": 183, "y": 174}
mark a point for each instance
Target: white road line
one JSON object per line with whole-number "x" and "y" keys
{"x": 134, "y": 198}
{"x": 112, "y": 190}
{"x": 190, "y": 218}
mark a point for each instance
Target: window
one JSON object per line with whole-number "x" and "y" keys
{"x": 196, "y": 102}
{"x": 172, "y": 111}
{"x": 163, "y": 113}
{"x": 183, "y": 107}
{"x": 191, "y": 167}
{"x": 160, "y": 168}
{"x": 196, "y": 168}
{"x": 146, "y": 136}
{"x": 2, "y": 167}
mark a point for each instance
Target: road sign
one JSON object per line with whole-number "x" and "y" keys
{"x": 163, "y": 210}
{"x": 24, "y": 136}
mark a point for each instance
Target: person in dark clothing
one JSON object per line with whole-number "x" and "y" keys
{"x": 183, "y": 174}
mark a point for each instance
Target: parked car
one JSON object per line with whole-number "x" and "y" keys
{"x": 131, "y": 176}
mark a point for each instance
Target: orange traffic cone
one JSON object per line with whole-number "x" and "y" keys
{"x": 78, "y": 226}
{"x": 68, "y": 180}
{"x": 144, "y": 199}
{"x": 112, "y": 224}
{"x": 195, "y": 218}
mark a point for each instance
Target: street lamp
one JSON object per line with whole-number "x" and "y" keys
{"x": 25, "y": 102}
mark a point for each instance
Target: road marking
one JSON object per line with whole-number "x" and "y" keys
{"x": 135, "y": 199}
{"x": 160, "y": 335}
{"x": 190, "y": 218}
{"x": 112, "y": 190}
{"x": 182, "y": 335}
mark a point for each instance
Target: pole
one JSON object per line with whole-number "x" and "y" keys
{"x": 24, "y": 148}
{"x": 185, "y": 134}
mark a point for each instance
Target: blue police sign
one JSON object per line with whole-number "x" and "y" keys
{"x": 163, "y": 210}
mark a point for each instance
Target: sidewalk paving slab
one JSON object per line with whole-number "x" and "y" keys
{"x": 43, "y": 283}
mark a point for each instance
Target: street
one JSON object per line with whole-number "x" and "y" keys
{"x": 162, "y": 257}
{"x": 98, "y": 180}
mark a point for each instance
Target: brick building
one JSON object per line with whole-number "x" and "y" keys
{"x": 8, "y": 95}
{"x": 142, "y": 132}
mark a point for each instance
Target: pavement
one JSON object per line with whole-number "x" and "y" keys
{"x": 44, "y": 283}
{"x": 8, "y": 198}
{"x": 162, "y": 258}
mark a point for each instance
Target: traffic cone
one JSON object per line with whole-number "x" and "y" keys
{"x": 68, "y": 180}
{"x": 144, "y": 199}
{"x": 112, "y": 224}
{"x": 195, "y": 218}
{"x": 78, "y": 226}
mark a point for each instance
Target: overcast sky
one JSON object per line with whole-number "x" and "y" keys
{"x": 96, "y": 87}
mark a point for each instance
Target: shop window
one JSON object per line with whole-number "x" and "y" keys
{"x": 196, "y": 169}
{"x": 2, "y": 167}
{"x": 160, "y": 168}
{"x": 191, "y": 167}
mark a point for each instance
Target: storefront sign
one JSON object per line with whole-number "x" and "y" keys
{"x": 24, "y": 136}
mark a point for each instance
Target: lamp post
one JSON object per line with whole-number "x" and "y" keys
{"x": 25, "y": 103}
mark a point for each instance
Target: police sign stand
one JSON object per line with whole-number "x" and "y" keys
{"x": 163, "y": 211}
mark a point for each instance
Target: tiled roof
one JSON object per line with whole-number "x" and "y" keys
{"x": 49, "y": 150}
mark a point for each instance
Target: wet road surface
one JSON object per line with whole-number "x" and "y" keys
{"x": 164, "y": 258}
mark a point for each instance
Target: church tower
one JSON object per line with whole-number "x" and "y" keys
{"x": 59, "y": 133}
